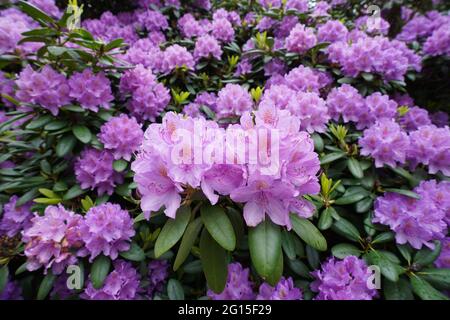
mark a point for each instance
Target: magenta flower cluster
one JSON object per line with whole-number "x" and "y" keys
{"x": 15, "y": 218}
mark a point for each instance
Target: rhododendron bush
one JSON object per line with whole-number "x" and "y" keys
{"x": 243, "y": 150}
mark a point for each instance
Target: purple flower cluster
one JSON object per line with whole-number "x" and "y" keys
{"x": 300, "y": 39}
{"x": 109, "y": 27}
{"x": 15, "y": 219}
{"x": 91, "y": 90}
{"x": 238, "y": 287}
{"x": 346, "y": 102}
{"x": 233, "y": 100}
{"x": 443, "y": 261}
{"x": 222, "y": 30}
{"x": 123, "y": 283}
{"x": 176, "y": 56}
{"x": 345, "y": 279}
{"x": 106, "y": 229}
{"x": 439, "y": 41}
{"x": 332, "y": 31}
{"x": 207, "y": 46}
{"x": 414, "y": 119}
{"x": 122, "y": 136}
{"x": 46, "y": 87}
{"x": 148, "y": 96}
{"x": 312, "y": 111}
{"x": 94, "y": 170}
{"x": 430, "y": 146}
{"x": 158, "y": 271}
{"x": 51, "y": 238}
{"x": 284, "y": 290}
{"x": 417, "y": 222}
{"x": 391, "y": 59}
{"x": 190, "y": 27}
{"x": 385, "y": 142}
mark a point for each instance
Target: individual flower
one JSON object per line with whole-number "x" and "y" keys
{"x": 122, "y": 135}
{"x": 284, "y": 290}
{"x": 346, "y": 279}
{"x": 121, "y": 284}
{"x": 417, "y": 222}
{"x": 430, "y": 146}
{"x": 91, "y": 90}
{"x": 300, "y": 39}
{"x": 15, "y": 219}
{"x": 158, "y": 271}
{"x": 46, "y": 87}
{"x": 94, "y": 170}
{"x": 107, "y": 229}
{"x": 238, "y": 286}
{"x": 385, "y": 142}
{"x": 233, "y": 100}
{"x": 207, "y": 46}
{"x": 52, "y": 240}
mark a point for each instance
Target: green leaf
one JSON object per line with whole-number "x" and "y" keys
{"x": 439, "y": 277}
{"x": 56, "y": 125}
{"x": 56, "y": 51}
{"x": 308, "y": 232}
{"x": 349, "y": 199}
{"x": 26, "y": 197}
{"x": 313, "y": 257}
{"x": 39, "y": 122}
{"x": 175, "y": 290}
{"x": 326, "y": 218}
{"x": 264, "y": 242}
{"x": 404, "y": 192}
{"x": 46, "y": 286}
{"x": 387, "y": 267}
{"x": 99, "y": 271}
{"x": 384, "y": 237}
{"x": 364, "y": 205}
{"x": 47, "y": 201}
{"x": 219, "y": 226}
{"x": 367, "y": 76}
{"x": 288, "y": 244}
{"x": 188, "y": 240}
{"x": 73, "y": 192}
{"x": 135, "y": 253}
{"x": 35, "y": 13}
{"x": 344, "y": 249}
{"x": 355, "y": 168}
{"x": 300, "y": 268}
{"x": 405, "y": 251}
{"x": 172, "y": 231}
{"x": 400, "y": 290}
{"x": 424, "y": 290}
{"x": 65, "y": 145}
{"x": 120, "y": 165}
{"x": 4, "y": 272}
{"x": 214, "y": 262}
{"x": 48, "y": 193}
{"x": 346, "y": 229}
{"x": 426, "y": 256}
{"x": 318, "y": 142}
{"x": 328, "y": 158}
{"x": 275, "y": 276}
{"x": 82, "y": 133}
{"x": 116, "y": 43}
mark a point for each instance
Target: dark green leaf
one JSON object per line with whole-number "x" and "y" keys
{"x": 99, "y": 271}
{"x": 404, "y": 192}
{"x": 264, "y": 242}
{"x": 219, "y": 226}
{"x": 288, "y": 244}
{"x": 308, "y": 233}
{"x": 346, "y": 229}
{"x": 35, "y": 13}
{"x": 4, "y": 273}
{"x": 187, "y": 242}
{"x": 424, "y": 290}
{"x": 384, "y": 237}
{"x": 355, "y": 168}
{"x": 82, "y": 133}
{"x": 135, "y": 253}
{"x": 214, "y": 262}
{"x": 65, "y": 145}
{"x": 344, "y": 249}
{"x": 427, "y": 256}
{"x": 73, "y": 192}
{"x": 172, "y": 231}
{"x": 120, "y": 165}
{"x": 387, "y": 267}
{"x": 46, "y": 286}
{"x": 175, "y": 290}
{"x": 328, "y": 158}
{"x": 326, "y": 218}
{"x": 400, "y": 290}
